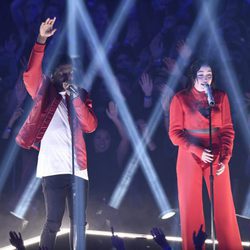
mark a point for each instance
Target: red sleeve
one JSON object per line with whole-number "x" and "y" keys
{"x": 85, "y": 114}
{"x": 226, "y": 132}
{"x": 176, "y": 128}
{"x": 32, "y": 77}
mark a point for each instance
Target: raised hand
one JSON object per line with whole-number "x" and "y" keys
{"x": 46, "y": 30}
{"x": 183, "y": 49}
{"x": 156, "y": 47}
{"x": 16, "y": 240}
{"x": 159, "y": 238}
{"x": 199, "y": 239}
{"x": 146, "y": 84}
{"x": 171, "y": 65}
{"x": 166, "y": 93}
{"x": 117, "y": 242}
{"x": 133, "y": 33}
{"x": 111, "y": 111}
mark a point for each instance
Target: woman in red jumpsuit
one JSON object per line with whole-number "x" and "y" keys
{"x": 189, "y": 129}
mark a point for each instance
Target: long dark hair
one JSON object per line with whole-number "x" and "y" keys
{"x": 195, "y": 67}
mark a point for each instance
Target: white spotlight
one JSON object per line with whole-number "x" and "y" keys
{"x": 167, "y": 214}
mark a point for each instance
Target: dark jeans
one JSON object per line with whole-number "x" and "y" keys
{"x": 58, "y": 190}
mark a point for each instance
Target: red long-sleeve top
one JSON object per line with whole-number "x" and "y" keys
{"x": 187, "y": 113}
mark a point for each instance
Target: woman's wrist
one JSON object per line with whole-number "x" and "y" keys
{"x": 147, "y": 101}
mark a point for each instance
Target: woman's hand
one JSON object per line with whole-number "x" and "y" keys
{"x": 171, "y": 65}
{"x": 156, "y": 47}
{"x": 183, "y": 49}
{"x": 220, "y": 169}
{"x": 112, "y": 111}
{"x": 206, "y": 156}
{"x": 146, "y": 84}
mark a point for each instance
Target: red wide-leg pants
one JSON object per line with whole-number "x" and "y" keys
{"x": 190, "y": 173}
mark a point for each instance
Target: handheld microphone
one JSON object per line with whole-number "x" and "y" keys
{"x": 70, "y": 89}
{"x": 210, "y": 98}
{"x": 69, "y": 86}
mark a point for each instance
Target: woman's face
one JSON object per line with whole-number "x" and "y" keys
{"x": 102, "y": 140}
{"x": 204, "y": 76}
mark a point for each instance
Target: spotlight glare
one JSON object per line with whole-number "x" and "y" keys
{"x": 110, "y": 36}
{"x": 26, "y": 198}
{"x": 167, "y": 214}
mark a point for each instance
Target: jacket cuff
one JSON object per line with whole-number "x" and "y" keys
{"x": 39, "y": 47}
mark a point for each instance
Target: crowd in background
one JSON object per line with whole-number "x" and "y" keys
{"x": 143, "y": 58}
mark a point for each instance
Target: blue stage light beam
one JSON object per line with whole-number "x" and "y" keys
{"x": 72, "y": 29}
{"x": 112, "y": 86}
{"x": 233, "y": 90}
{"x": 233, "y": 83}
{"x": 79, "y": 219}
{"x": 123, "y": 184}
{"x": 26, "y": 198}
{"x": 7, "y": 163}
{"x": 246, "y": 208}
{"x": 110, "y": 36}
{"x": 53, "y": 49}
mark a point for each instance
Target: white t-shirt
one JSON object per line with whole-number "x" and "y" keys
{"x": 55, "y": 150}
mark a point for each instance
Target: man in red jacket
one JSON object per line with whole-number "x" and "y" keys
{"x": 48, "y": 125}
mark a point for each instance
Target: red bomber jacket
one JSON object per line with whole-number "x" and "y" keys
{"x": 46, "y": 100}
{"x": 186, "y": 114}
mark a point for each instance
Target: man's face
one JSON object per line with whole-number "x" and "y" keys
{"x": 63, "y": 74}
